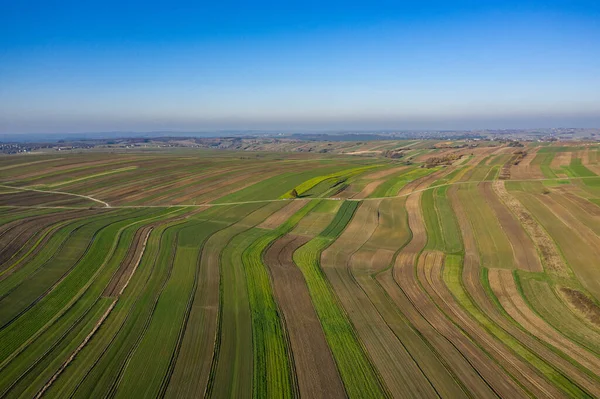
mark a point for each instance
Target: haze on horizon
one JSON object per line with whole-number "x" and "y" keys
{"x": 155, "y": 65}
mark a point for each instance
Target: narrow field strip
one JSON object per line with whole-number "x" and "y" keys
{"x": 313, "y": 362}
{"x": 358, "y": 374}
{"x": 190, "y": 376}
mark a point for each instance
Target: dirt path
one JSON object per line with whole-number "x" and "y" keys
{"x": 315, "y": 367}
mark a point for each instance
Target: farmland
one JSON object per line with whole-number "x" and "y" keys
{"x": 454, "y": 272}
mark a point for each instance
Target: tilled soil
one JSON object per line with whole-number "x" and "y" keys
{"x": 315, "y": 368}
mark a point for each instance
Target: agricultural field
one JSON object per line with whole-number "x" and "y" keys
{"x": 388, "y": 269}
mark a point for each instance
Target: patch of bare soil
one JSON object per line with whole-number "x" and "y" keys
{"x": 561, "y": 159}
{"x": 368, "y": 189}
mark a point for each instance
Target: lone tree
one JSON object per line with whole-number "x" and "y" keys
{"x": 294, "y": 193}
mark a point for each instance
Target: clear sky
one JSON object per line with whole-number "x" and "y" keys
{"x": 85, "y": 66}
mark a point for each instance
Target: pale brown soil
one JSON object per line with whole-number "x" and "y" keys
{"x": 380, "y": 174}
{"x": 315, "y": 367}
{"x": 279, "y": 217}
{"x": 524, "y": 170}
{"x": 369, "y": 189}
{"x": 551, "y": 257}
{"x": 525, "y": 254}
{"x": 561, "y": 159}
{"x": 423, "y": 182}
{"x": 505, "y": 289}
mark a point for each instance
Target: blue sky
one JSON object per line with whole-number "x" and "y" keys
{"x": 84, "y": 66}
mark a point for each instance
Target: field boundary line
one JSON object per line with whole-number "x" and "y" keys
{"x": 106, "y": 204}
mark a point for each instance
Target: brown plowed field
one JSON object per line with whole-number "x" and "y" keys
{"x": 524, "y": 170}
{"x": 315, "y": 368}
{"x": 561, "y": 159}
